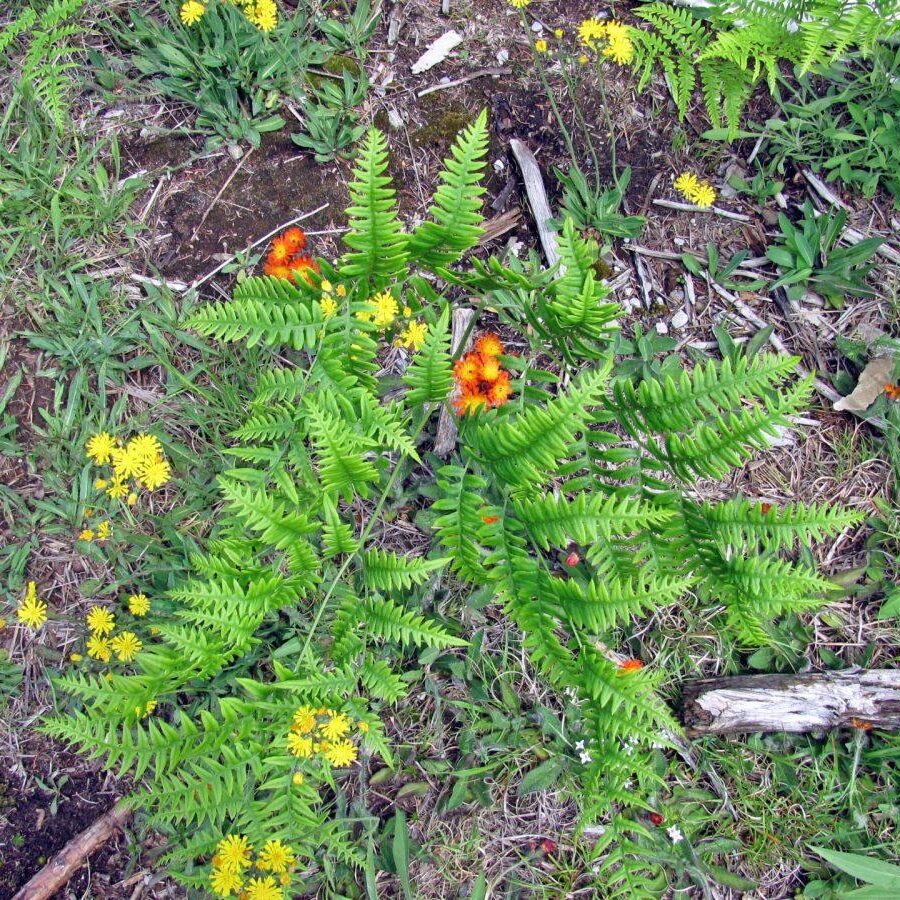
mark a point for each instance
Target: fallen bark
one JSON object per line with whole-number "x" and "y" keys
{"x": 70, "y": 859}
{"x": 797, "y": 703}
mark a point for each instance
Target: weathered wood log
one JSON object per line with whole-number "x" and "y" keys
{"x": 797, "y": 703}
{"x": 70, "y": 859}
{"x": 537, "y": 199}
{"x": 445, "y": 438}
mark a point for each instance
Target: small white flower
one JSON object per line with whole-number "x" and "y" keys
{"x": 627, "y": 785}
{"x": 585, "y": 757}
{"x": 675, "y": 834}
{"x": 579, "y": 745}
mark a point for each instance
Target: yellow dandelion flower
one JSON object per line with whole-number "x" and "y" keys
{"x": 363, "y": 727}
{"x": 386, "y": 310}
{"x": 32, "y": 611}
{"x": 98, "y": 648}
{"x": 103, "y": 531}
{"x": 86, "y": 535}
{"x": 558, "y": 33}
{"x": 304, "y": 720}
{"x": 100, "y": 448}
{"x": 413, "y": 336}
{"x": 75, "y": 657}
{"x": 582, "y": 59}
{"x": 139, "y": 604}
{"x": 146, "y": 447}
{"x": 705, "y": 195}
{"x": 619, "y": 48}
{"x": 234, "y": 853}
{"x": 341, "y": 290}
{"x": 100, "y": 484}
{"x": 275, "y": 857}
{"x": 299, "y": 745}
{"x": 127, "y": 645}
{"x": 118, "y": 489}
{"x": 126, "y": 463}
{"x": 285, "y": 879}
{"x": 686, "y": 183}
{"x": 263, "y": 889}
{"x": 590, "y": 31}
{"x": 298, "y": 778}
{"x": 100, "y": 621}
{"x": 264, "y": 15}
{"x": 2, "y": 623}
{"x": 225, "y": 882}
{"x": 540, "y": 45}
{"x": 155, "y": 473}
{"x": 329, "y": 306}
{"x": 336, "y": 727}
{"x": 192, "y": 12}
{"x": 326, "y": 285}
{"x": 341, "y": 753}
{"x": 519, "y": 4}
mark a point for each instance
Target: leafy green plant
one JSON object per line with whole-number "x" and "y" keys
{"x": 810, "y": 257}
{"x": 842, "y": 122}
{"x": 721, "y": 274}
{"x": 302, "y": 605}
{"x": 728, "y": 48}
{"x": 233, "y": 73}
{"x": 598, "y": 209}
{"x": 882, "y": 878}
{"x": 47, "y": 63}
{"x": 330, "y": 120}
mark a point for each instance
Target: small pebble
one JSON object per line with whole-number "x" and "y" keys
{"x": 662, "y": 328}
{"x": 679, "y": 320}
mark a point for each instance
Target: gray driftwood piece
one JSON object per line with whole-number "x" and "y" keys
{"x": 537, "y": 199}
{"x": 445, "y": 439}
{"x": 810, "y": 702}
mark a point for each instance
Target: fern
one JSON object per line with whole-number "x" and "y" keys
{"x": 430, "y": 376}
{"x": 455, "y": 224}
{"x": 377, "y": 242}
{"x": 47, "y": 62}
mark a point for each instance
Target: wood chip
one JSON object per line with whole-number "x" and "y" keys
{"x": 438, "y": 50}
{"x": 874, "y": 377}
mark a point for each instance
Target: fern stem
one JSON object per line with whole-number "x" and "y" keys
{"x": 373, "y": 518}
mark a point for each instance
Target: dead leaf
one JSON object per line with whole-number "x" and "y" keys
{"x": 874, "y": 377}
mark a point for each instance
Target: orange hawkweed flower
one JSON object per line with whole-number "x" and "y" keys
{"x": 489, "y": 345}
{"x": 466, "y": 372}
{"x": 280, "y": 252}
{"x": 631, "y": 665}
{"x": 573, "y": 559}
{"x": 278, "y": 271}
{"x": 861, "y": 724}
{"x": 765, "y": 508}
{"x": 501, "y": 390}
{"x": 295, "y": 240}
{"x": 489, "y": 367}
{"x": 489, "y": 520}
{"x": 892, "y": 391}
{"x": 303, "y": 266}
{"x": 470, "y": 402}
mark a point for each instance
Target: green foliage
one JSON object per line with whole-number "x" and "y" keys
{"x": 843, "y": 123}
{"x": 595, "y": 207}
{"x": 810, "y": 257}
{"x": 571, "y": 507}
{"x": 737, "y": 44}
{"x": 237, "y": 76}
{"x": 47, "y": 63}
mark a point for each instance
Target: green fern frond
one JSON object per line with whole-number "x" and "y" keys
{"x": 455, "y": 224}
{"x": 262, "y": 513}
{"x": 264, "y": 310}
{"x": 430, "y": 374}
{"x": 525, "y": 448}
{"x": 461, "y": 503}
{"x": 385, "y": 571}
{"x": 378, "y": 244}
{"x": 555, "y": 521}
{"x": 388, "y": 621}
